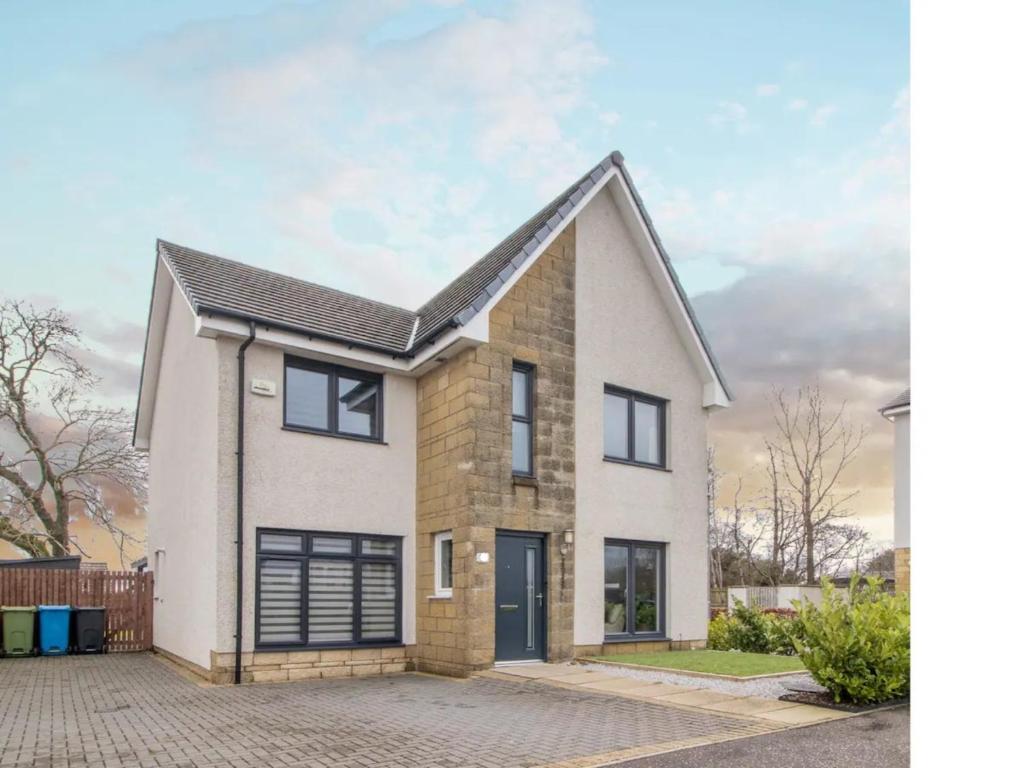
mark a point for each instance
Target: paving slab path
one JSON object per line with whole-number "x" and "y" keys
{"x": 778, "y": 713}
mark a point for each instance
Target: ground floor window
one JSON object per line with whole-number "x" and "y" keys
{"x": 317, "y": 589}
{"x": 634, "y": 588}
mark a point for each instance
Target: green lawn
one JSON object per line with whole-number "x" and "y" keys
{"x": 715, "y": 662}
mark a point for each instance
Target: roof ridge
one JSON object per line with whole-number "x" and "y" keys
{"x": 468, "y": 292}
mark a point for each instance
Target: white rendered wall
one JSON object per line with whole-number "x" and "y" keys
{"x": 310, "y": 482}
{"x": 626, "y": 337}
{"x": 181, "y": 540}
{"x": 901, "y": 480}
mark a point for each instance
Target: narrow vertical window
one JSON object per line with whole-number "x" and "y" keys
{"x": 443, "y": 564}
{"x": 522, "y": 419}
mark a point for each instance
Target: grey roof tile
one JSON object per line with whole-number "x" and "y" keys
{"x": 900, "y": 401}
{"x": 218, "y": 285}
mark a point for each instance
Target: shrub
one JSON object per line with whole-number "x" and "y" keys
{"x": 759, "y": 631}
{"x": 858, "y": 647}
{"x": 751, "y": 630}
{"x": 719, "y": 633}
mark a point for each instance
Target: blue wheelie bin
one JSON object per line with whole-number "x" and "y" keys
{"x": 54, "y": 629}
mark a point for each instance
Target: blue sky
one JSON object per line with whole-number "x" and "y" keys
{"x": 380, "y": 147}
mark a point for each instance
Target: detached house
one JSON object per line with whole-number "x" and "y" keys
{"x": 514, "y": 471}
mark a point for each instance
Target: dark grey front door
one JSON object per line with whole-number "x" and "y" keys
{"x": 519, "y": 612}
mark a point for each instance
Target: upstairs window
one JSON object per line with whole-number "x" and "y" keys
{"x": 522, "y": 419}
{"x": 320, "y": 397}
{"x": 634, "y": 427}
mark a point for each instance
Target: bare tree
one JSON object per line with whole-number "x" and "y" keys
{"x": 785, "y": 525}
{"x": 716, "y": 529}
{"x": 60, "y": 456}
{"x": 839, "y": 544}
{"x": 814, "y": 447}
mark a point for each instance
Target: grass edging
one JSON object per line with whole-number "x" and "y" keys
{"x": 688, "y": 673}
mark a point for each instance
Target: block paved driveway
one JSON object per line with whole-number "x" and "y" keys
{"x": 134, "y": 710}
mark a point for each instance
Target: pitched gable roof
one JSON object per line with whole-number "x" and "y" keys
{"x": 468, "y": 293}
{"x": 218, "y": 285}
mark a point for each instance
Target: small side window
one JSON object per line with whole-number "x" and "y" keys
{"x": 443, "y": 564}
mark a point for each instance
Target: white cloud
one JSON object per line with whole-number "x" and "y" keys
{"x": 823, "y": 114}
{"x": 609, "y": 118}
{"x": 798, "y": 105}
{"x": 376, "y": 133}
{"x": 768, "y": 89}
{"x": 730, "y": 114}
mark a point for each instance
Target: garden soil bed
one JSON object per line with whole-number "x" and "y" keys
{"x": 820, "y": 699}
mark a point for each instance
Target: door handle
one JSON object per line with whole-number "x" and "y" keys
{"x": 509, "y": 607}
{"x": 540, "y": 598}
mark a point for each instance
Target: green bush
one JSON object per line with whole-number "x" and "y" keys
{"x": 719, "y": 633}
{"x": 756, "y": 631}
{"x": 751, "y": 630}
{"x": 858, "y": 647}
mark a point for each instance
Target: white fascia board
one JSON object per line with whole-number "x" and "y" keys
{"x": 212, "y": 326}
{"x": 892, "y": 413}
{"x": 714, "y": 394}
{"x": 159, "y": 311}
{"x": 478, "y": 326}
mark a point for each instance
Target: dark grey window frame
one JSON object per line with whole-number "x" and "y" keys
{"x": 333, "y": 372}
{"x": 530, "y": 418}
{"x": 631, "y": 634}
{"x": 633, "y": 397}
{"x": 357, "y": 558}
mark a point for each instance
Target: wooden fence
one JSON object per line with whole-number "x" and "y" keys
{"x": 127, "y": 596}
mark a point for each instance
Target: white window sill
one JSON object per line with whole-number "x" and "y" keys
{"x": 442, "y": 596}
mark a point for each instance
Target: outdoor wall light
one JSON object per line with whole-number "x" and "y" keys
{"x": 567, "y": 539}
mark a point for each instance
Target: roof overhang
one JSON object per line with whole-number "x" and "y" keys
{"x": 716, "y": 394}
{"x": 892, "y": 413}
{"x": 212, "y": 324}
{"x": 470, "y": 329}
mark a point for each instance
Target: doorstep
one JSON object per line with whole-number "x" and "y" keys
{"x": 772, "y": 713}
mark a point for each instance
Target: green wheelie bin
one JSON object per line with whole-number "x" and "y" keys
{"x": 19, "y": 629}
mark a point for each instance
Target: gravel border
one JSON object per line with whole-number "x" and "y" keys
{"x": 769, "y": 688}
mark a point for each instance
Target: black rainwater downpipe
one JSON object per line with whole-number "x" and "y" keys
{"x": 239, "y": 516}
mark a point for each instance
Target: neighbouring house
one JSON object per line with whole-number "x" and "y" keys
{"x": 898, "y": 412}
{"x": 780, "y": 596}
{"x": 514, "y": 471}
{"x": 62, "y": 563}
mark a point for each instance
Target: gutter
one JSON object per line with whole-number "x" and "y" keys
{"x": 299, "y": 331}
{"x": 239, "y": 508}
